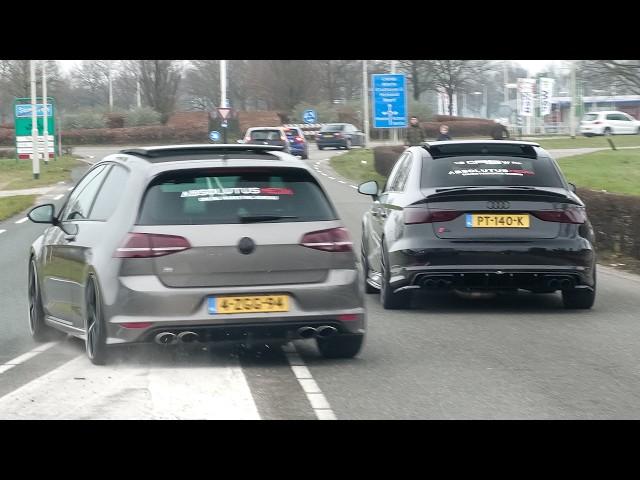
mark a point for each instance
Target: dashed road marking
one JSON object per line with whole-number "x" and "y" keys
{"x": 69, "y": 189}
{"x": 318, "y": 401}
{"x": 26, "y": 356}
{"x": 2, "y": 231}
{"x": 342, "y": 181}
{"x": 22, "y": 220}
{"x": 353, "y": 186}
{"x": 58, "y": 197}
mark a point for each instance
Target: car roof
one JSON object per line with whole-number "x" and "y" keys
{"x": 172, "y": 157}
{"x": 447, "y": 148}
{"x": 265, "y": 128}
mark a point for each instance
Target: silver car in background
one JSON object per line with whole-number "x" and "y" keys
{"x": 196, "y": 243}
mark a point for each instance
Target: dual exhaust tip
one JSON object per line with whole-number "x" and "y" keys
{"x": 168, "y": 338}
{"x": 560, "y": 283}
{"x": 436, "y": 283}
{"x": 322, "y": 332}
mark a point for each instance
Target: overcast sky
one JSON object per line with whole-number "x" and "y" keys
{"x": 533, "y": 66}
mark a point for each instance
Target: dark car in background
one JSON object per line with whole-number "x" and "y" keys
{"x": 297, "y": 142}
{"x": 268, "y": 136}
{"x": 477, "y": 216}
{"x": 339, "y": 135}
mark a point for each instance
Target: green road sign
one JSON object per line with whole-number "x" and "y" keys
{"x": 23, "y": 123}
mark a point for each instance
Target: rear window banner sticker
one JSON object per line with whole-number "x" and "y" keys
{"x": 243, "y": 193}
{"x": 490, "y": 171}
{"x": 487, "y": 162}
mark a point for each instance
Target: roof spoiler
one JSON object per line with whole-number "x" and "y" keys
{"x": 171, "y": 150}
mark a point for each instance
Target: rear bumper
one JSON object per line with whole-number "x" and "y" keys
{"x": 298, "y": 149}
{"x": 145, "y": 299}
{"x": 332, "y": 143}
{"x": 495, "y": 265}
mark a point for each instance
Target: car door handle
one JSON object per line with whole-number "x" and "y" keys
{"x": 70, "y": 238}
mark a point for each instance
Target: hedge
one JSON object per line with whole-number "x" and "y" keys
{"x": 152, "y": 134}
{"x": 384, "y": 158}
{"x": 460, "y": 128}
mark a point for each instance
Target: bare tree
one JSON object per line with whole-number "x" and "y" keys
{"x": 91, "y": 78}
{"x": 159, "y": 80}
{"x": 624, "y": 75}
{"x": 282, "y": 84}
{"x": 454, "y": 75}
{"x": 201, "y": 84}
{"x": 419, "y": 74}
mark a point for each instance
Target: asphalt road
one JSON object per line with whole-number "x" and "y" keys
{"x": 444, "y": 358}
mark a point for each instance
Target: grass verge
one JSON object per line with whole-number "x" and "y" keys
{"x": 350, "y": 165}
{"x": 9, "y": 206}
{"x": 614, "y": 171}
{"x": 15, "y": 175}
{"x": 591, "y": 142}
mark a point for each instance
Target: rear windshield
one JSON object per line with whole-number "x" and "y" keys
{"x": 489, "y": 171}
{"x": 230, "y": 196}
{"x": 332, "y": 128}
{"x": 590, "y": 117}
{"x": 293, "y": 133}
{"x": 265, "y": 135}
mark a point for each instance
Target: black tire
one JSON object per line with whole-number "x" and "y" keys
{"x": 96, "y": 338}
{"x": 365, "y": 268}
{"x": 388, "y": 299}
{"x": 607, "y": 132}
{"x": 638, "y": 131}
{"x": 40, "y": 331}
{"x": 305, "y": 156}
{"x": 582, "y": 299}
{"x": 320, "y": 148}
{"x": 340, "y": 346}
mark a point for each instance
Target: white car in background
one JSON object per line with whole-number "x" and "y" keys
{"x": 608, "y": 123}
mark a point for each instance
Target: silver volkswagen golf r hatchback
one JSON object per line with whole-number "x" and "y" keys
{"x": 196, "y": 243}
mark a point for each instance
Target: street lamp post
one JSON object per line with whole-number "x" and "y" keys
{"x": 35, "y": 160}
{"x": 45, "y": 119}
{"x": 365, "y": 102}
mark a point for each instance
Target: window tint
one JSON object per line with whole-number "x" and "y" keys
{"x": 624, "y": 118}
{"x": 392, "y": 181}
{"x": 82, "y": 197}
{"x": 403, "y": 174}
{"x": 230, "y": 196}
{"x": 483, "y": 171}
{"x": 265, "y": 135}
{"x": 590, "y": 117}
{"x": 612, "y": 116}
{"x": 332, "y": 128}
{"x": 109, "y": 195}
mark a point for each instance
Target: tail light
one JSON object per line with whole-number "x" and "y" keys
{"x": 299, "y": 139}
{"x": 147, "y": 245}
{"x": 136, "y": 325}
{"x": 423, "y": 215}
{"x": 337, "y": 135}
{"x": 331, "y": 240}
{"x": 570, "y": 215}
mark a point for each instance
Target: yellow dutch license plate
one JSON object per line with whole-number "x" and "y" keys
{"x": 249, "y": 304}
{"x": 480, "y": 220}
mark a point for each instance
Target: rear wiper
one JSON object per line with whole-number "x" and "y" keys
{"x": 262, "y": 218}
{"x": 450, "y": 189}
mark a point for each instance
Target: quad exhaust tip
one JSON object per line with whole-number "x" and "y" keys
{"x": 326, "y": 331}
{"x": 188, "y": 337}
{"x": 307, "y": 332}
{"x": 166, "y": 338}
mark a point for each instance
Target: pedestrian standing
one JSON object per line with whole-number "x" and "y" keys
{"x": 444, "y": 133}
{"x": 415, "y": 134}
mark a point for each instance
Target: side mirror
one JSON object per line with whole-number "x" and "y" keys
{"x": 369, "y": 188}
{"x": 42, "y": 214}
{"x": 572, "y": 187}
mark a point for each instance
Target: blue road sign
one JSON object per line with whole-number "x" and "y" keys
{"x": 214, "y": 136}
{"x": 389, "y": 100}
{"x": 23, "y": 110}
{"x": 310, "y": 116}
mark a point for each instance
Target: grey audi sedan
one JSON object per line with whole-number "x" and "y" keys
{"x": 196, "y": 243}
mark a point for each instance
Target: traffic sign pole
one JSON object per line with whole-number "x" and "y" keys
{"x": 35, "y": 161}
{"x": 45, "y": 119}
{"x": 365, "y": 101}
{"x": 395, "y": 130}
{"x": 223, "y": 96}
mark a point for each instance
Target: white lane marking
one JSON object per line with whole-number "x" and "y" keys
{"x": 324, "y": 174}
{"x": 136, "y": 389}
{"x": 59, "y": 183}
{"x": 2, "y": 231}
{"x": 22, "y": 220}
{"x": 342, "y": 181}
{"x": 353, "y": 186}
{"x": 332, "y": 178}
{"x": 317, "y": 400}
{"x": 69, "y": 189}
{"x": 26, "y": 356}
{"x": 58, "y": 197}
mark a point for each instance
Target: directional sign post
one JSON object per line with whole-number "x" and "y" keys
{"x": 224, "y": 113}
{"x": 389, "y": 100}
{"x": 310, "y": 116}
{"x": 22, "y": 112}
{"x": 214, "y": 136}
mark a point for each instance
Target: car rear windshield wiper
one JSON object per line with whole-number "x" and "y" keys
{"x": 263, "y": 218}
{"x": 450, "y": 189}
{"x": 488, "y": 187}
